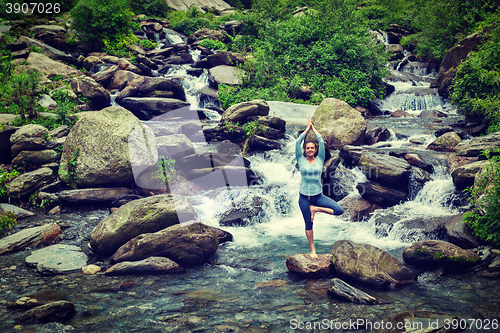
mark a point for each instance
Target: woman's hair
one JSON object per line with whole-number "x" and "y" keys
{"x": 316, "y": 144}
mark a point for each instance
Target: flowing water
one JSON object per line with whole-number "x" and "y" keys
{"x": 245, "y": 286}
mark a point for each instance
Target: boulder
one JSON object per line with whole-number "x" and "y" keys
{"x": 435, "y": 253}
{"x": 57, "y": 259}
{"x": 261, "y": 143}
{"x": 375, "y": 133}
{"x": 146, "y": 215}
{"x": 55, "y": 311}
{"x": 175, "y": 146}
{"x": 93, "y": 195}
{"x": 220, "y": 58}
{"x": 105, "y": 76}
{"x": 27, "y": 183}
{"x": 477, "y": 145}
{"x": 91, "y": 61}
{"x": 27, "y": 132}
{"x": 464, "y": 176}
{"x": 419, "y": 161}
{"x": 89, "y": 88}
{"x": 104, "y": 147}
{"x": 241, "y": 214}
{"x": 445, "y": 142}
{"x": 369, "y": 265}
{"x": 358, "y": 209}
{"x": 381, "y": 195}
{"x": 401, "y": 113}
{"x": 29, "y": 237}
{"x": 48, "y": 67}
{"x": 303, "y": 264}
{"x": 36, "y": 157}
{"x": 18, "y": 212}
{"x": 121, "y": 79}
{"x": 143, "y": 86}
{"x": 343, "y": 290}
{"x": 339, "y": 124}
{"x": 385, "y": 169}
{"x": 59, "y": 132}
{"x": 453, "y": 58}
{"x": 145, "y": 107}
{"x": 6, "y": 132}
{"x": 459, "y": 234}
{"x": 153, "y": 265}
{"x": 432, "y": 114}
{"x": 186, "y": 245}
{"x": 47, "y": 50}
{"x": 206, "y": 33}
{"x": 227, "y": 75}
{"x": 241, "y": 111}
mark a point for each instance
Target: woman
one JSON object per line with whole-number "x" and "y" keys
{"x": 311, "y": 198}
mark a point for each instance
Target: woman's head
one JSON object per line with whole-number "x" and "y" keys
{"x": 310, "y": 147}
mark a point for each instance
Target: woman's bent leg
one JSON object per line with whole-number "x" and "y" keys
{"x": 327, "y": 205}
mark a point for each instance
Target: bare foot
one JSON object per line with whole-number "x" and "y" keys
{"x": 313, "y": 211}
{"x": 314, "y": 255}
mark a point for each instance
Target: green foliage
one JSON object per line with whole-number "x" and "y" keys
{"x": 230, "y": 127}
{"x": 119, "y": 45}
{"x": 165, "y": 169}
{"x": 191, "y": 20}
{"x": 475, "y": 88}
{"x": 102, "y": 20}
{"x": 485, "y": 196}
{"x": 147, "y": 44}
{"x": 157, "y": 8}
{"x": 5, "y": 177}
{"x": 7, "y": 221}
{"x": 25, "y": 87}
{"x": 213, "y": 44}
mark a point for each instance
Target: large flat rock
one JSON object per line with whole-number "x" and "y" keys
{"x": 58, "y": 259}
{"x": 29, "y": 237}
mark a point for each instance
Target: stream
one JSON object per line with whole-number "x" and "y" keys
{"x": 245, "y": 286}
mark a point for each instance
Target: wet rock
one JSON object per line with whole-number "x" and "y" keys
{"x": 105, "y": 76}
{"x": 369, "y": 265}
{"x": 247, "y": 209}
{"x": 464, "y": 176}
{"x": 175, "y": 146}
{"x": 87, "y": 195}
{"x": 445, "y": 142}
{"x": 27, "y": 183}
{"x": 223, "y": 235}
{"x": 55, "y": 311}
{"x": 385, "y": 169}
{"x": 125, "y": 199}
{"x": 477, "y": 145}
{"x": 146, "y": 215}
{"x": 186, "y": 245}
{"x": 121, "y": 79}
{"x": 303, "y": 264}
{"x": 276, "y": 283}
{"x": 29, "y": 237}
{"x": 91, "y": 269}
{"x": 18, "y": 212}
{"x": 358, "y": 209}
{"x": 272, "y": 122}
{"x": 260, "y": 143}
{"x": 459, "y": 234}
{"x": 375, "y": 133}
{"x": 227, "y": 75}
{"x": 110, "y": 143}
{"x": 433, "y": 253}
{"x": 36, "y": 157}
{"x": 216, "y": 177}
{"x": 419, "y": 161}
{"x": 149, "y": 265}
{"x": 343, "y": 290}
{"x": 57, "y": 259}
{"x": 143, "y": 86}
{"x": 91, "y": 61}
{"x": 381, "y": 195}
{"x": 339, "y": 124}
{"x": 152, "y": 105}
{"x": 241, "y": 111}
{"x": 431, "y": 114}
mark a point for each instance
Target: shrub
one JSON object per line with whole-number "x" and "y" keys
{"x": 213, "y": 44}
{"x": 156, "y": 8}
{"x": 475, "y": 88}
{"x": 99, "y": 20}
{"x": 5, "y": 177}
{"x": 7, "y": 221}
{"x": 165, "y": 170}
{"x": 485, "y": 196}
{"x": 190, "y": 21}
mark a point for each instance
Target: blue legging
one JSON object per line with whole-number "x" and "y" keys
{"x": 319, "y": 200}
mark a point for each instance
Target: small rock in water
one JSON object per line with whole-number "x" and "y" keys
{"x": 304, "y": 264}
{"x": 25, "y": 303}
{"x": 149, "y": 265}
{"x": 91, "y": 269}
{"x": 346, "y": 291}
{"x": 55, "y": 311}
